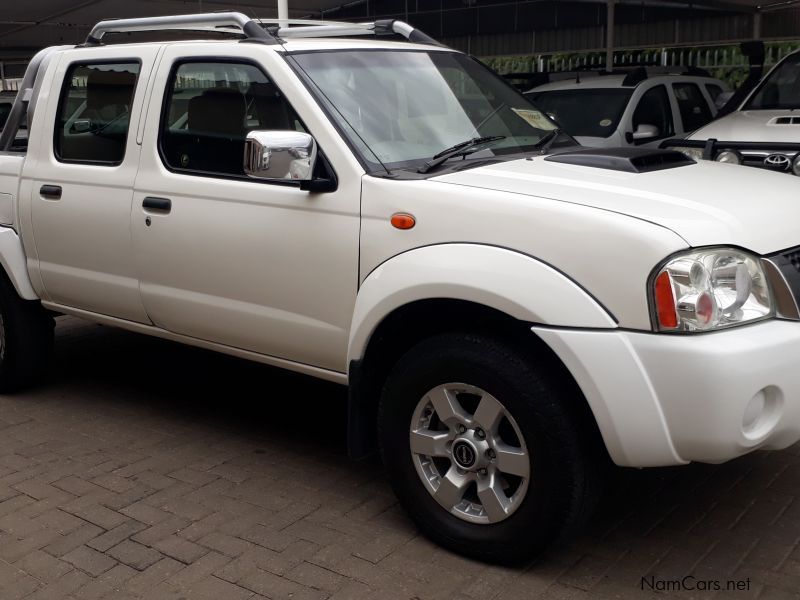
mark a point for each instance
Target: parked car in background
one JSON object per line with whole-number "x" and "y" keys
{"x": 764, "y": 130}
{"x": 641, "y": 107}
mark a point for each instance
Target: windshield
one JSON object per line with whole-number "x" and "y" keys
{"x": 593, "y": 112}
{"x": 399, "y": 108}
{"x": 780, "y": 89}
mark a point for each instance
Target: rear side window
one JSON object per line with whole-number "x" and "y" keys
{"x": 692, "y": 105}
{"x": 94, "y": 112}
{"x": 210, "y": 107}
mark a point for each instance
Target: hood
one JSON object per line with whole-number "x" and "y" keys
{"x": 751, "y": 126}
{"x": 705, "y": 203}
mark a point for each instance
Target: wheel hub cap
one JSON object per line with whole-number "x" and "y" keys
{"x": 464, "y": 454}
{"x": 469, "y": 453}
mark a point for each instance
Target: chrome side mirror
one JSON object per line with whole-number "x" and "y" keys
{"x": 280, "y": 155}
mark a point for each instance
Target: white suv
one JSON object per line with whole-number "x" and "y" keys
{"x": 509, "y": 310}
{"x": 763, "y": 132}
{"x": 641, "y": 107}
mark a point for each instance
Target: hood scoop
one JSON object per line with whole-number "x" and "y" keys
{"x": 629, "y": 160}
{"x": 785, "y": 121}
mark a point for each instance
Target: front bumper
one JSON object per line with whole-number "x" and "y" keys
{"x": 662, "y": 399}
{"x": 762, "y": 155}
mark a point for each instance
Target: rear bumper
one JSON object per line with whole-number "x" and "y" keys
{"x": 671, "y": 399}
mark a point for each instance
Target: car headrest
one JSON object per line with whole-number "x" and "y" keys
{"x": 220, "y": 110}
{"x": 109, "y": 88}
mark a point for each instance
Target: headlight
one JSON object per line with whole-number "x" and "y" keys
{"x": 729, "y": 156}
{"x": 710, "y": 289}
{"x": 796, "y": 165}
{"x": 693, "y": 153}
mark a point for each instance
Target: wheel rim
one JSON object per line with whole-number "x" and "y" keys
{"x": 469, "y": 453}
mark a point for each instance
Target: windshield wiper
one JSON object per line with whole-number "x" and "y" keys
{"x": 544, "y": 144}
{"x": 461, "y": 149}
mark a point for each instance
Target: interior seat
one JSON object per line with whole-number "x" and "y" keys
{"x": 214, "y": 138}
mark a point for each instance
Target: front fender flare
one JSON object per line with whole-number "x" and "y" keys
{"x": 13, "y": 261}
{"x": 508, "y": 281}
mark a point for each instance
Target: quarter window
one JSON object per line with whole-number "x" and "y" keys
{"x": 693, "y": 106}
{"x": 210, "y": 107}
{"x": 94, "y": 113}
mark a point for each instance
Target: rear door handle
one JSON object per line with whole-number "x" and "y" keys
{"x": 163, "y": 205}
{"x": 53, "y": 192}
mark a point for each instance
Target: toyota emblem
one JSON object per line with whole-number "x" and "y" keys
{"x": 777, "y": 161}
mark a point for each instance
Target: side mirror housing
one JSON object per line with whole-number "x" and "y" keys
{"x": 280, "y": 156}
{"x": 646, "y": 132}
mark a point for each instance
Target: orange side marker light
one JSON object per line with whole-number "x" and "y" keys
{"x": 665, "y": 302}
{"x": 403, "y": 221}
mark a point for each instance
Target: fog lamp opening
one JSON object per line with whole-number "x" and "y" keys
{"x": 762, "y": 413}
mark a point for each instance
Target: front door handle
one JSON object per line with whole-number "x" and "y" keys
{"x": 52, "y": 192}
{"x": 163, "y": 205}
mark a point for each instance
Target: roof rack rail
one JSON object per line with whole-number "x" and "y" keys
{"x": 639, "y": 74}
{"x": 269, "y": 31}
{"x": 336, "y": 29}
{"x": 230, "y": 22}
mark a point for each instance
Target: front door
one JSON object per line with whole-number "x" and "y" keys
{"x": 255, "y": 265}
{"x": 81, "y": 187}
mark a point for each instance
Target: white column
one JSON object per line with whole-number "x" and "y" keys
{"x": 757, "y": 26}
{"x": 610, "y": 34}
{"x": 283, "y": 10}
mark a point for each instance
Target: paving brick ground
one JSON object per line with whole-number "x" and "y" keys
{"x": 145, "y": 469}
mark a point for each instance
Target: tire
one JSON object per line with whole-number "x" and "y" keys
{"x": 26, "y": 339}
{"x": 562, "y": 487}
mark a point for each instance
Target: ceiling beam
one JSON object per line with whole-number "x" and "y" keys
{"x": 52, "y": 16}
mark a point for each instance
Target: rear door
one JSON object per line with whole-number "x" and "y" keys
{"x": 81, "y": 181}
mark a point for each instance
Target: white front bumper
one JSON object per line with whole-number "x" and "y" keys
{"x": 670, "y": 399}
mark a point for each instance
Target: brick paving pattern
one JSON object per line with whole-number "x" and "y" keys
{"x": 145, "y": 469}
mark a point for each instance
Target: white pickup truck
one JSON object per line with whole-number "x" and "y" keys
{"x": 508, "y": 309}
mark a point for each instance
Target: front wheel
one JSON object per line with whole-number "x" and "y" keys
{"x": 484, "y": 447}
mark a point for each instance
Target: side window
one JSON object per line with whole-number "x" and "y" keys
{"x": 209, "y": 108}
{"x": 94, "y": 112}
{"x": 654, "y": 109}
{"x": 693, "y": 106}
{"x": 713, "y": 90}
